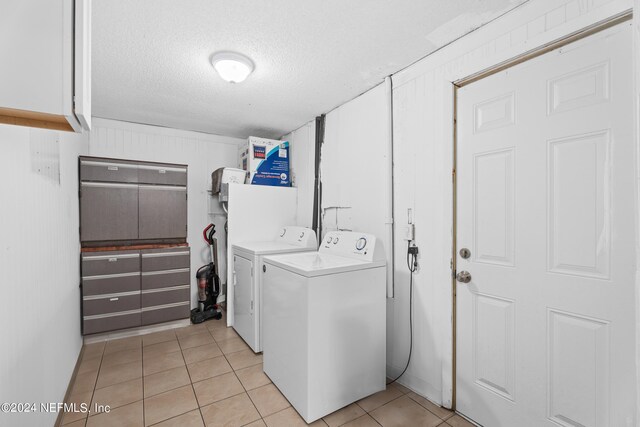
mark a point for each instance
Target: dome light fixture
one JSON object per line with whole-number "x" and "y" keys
{"x": 231, "y": 66}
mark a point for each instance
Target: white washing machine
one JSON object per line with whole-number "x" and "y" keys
{"x": 247, "y": 260}
{"x": 324, "y": 323}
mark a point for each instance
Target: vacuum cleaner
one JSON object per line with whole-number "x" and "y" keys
{"x": 208, "y": 282}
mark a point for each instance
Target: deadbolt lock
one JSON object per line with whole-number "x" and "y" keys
{"x": 463, "y": 277}
{"x": 465, "y": 253}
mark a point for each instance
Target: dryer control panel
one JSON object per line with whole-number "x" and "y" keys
{"x": 352, "y": 244}
{"x": 298, "y": 236}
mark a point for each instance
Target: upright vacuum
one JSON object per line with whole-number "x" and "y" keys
{"x": 208, "y": 282}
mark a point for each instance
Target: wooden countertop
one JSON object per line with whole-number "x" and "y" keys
{"x": 134, "y": 247}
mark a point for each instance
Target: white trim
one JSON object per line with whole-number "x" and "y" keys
{"x": 136, "y": 331}
{"x": 116, "y": 164}
{"x": 107, "y": 185}
{"x": 105, "y": 296}
{"x": 155, "y": 273}
{"x": 103, "y": 257}
{"x": 164, "y": 254}
{"x": 111, "y": 276}
{"x": 119, "y": 313}
{"x": 164, "y": 168}
{"x": 164, "y": 187}
{"x": 170, "y": 288}
{"x": 161, "y": 307}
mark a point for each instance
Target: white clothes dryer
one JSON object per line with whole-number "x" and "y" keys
{"x": 247, "y": 260}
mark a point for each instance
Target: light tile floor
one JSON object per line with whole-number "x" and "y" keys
{"x": 206, "y": 375}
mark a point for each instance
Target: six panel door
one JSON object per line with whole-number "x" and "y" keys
{"x": 545, "y": 205}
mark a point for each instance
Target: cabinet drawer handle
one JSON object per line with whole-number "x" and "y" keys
{"x": 162, "y": 171}
{"x": 113, "y": 259}
{"x": 112, "y": 168}
{"x": 114, "y": 299}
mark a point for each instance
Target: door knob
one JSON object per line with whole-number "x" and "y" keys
{"x": 463, "y": 277}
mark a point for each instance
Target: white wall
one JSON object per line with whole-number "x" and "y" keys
{"x": 423, "y": 162}
{"x": 302, "y": 143}
{"x": 39, "y": 261}
{"x": 203, "y": 153}
{"x": 354, "y": 166}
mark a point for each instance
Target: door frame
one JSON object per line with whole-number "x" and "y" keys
{"x": 476, "y": 76}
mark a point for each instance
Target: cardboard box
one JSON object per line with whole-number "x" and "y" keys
{"x": 266, "y": 160}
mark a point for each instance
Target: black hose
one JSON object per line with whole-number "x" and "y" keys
{"x": 412, "y": 264}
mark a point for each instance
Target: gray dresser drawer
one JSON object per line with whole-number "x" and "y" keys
{"x": 108, "y": 171}
{"x": 110, "y": 284}
{"x": 164, "y": 296}
{"x": 165, "y": 259}
{"x": 165, "y": 313}
{"x": 98, "y": 263}
{"x": 165, "y": 278}
{"x": 108, "y": 304}
{"x": 96, "y": 324}
{"x": 164, "y": 175}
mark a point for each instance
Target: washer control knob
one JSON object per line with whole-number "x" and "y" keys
{"x": 284, "y": 230}
{"x": 302, "y": 235}
{"x": 361, "y": 243}
{"x": 329, "y": 240}
{"x": 335, "y": 241}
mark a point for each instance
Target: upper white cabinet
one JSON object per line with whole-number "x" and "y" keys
{"x": 45, "y": 77}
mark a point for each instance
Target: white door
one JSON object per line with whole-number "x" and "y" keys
{"x": 243, "y": 299}
{"x": 545, "y": 206}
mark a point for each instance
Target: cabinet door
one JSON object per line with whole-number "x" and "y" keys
{"x": 109, "y": 211}
{"x": 163, "y": 212}
{"x": 82, "y": 62}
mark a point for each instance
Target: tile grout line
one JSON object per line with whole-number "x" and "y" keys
{"x": 399, "y": 397}
{"x": 439, "y": 417}
{"x": 86, "y": 419}
{"x": 191, "y": 381}
{"x": 144, "y": 403}
{"x": 236, "y": 375}
{"x": 95, "y": 384}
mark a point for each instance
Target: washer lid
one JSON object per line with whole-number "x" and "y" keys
{"x": 273, "y": 247}
{"x": 311, "y": 264}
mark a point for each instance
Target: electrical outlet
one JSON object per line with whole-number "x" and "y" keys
{"x": 413, "y": 250}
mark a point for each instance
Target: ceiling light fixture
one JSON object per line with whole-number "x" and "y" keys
{"x": 232, "y": 67}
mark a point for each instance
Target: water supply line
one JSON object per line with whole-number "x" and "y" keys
{"x": 389, "y": 205}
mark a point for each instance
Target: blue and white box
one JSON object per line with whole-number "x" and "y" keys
{"x": 266, "y": 160}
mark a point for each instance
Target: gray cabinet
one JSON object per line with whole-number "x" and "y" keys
{"x": 109, "y": 211}
{"x": 165, "y": 285}
{"x": 125, "y": 202}
{"x": 128, "y": 203}
{"x": 110, "y": 291}
{"x": 125, "y": 289}
{"x": 162, "y": 212}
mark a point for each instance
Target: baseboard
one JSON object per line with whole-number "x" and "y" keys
{"x": 132, "y": 332}
{"x": 72, "y": 380}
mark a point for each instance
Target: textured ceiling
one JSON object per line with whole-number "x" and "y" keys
{"x": 151, "y": 57}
